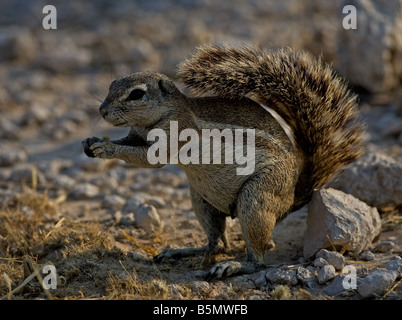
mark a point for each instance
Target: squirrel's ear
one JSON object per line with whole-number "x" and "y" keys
{"x": 166, "y": 86}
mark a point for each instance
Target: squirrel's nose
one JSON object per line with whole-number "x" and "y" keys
{"x": 102, "y": 110}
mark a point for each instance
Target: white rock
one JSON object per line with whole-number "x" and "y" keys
{"x": 376, "y": 283}
{"x": 374, "y": 179}
{"x": 345, "y": 220}
{"x": 376, "y": 42}
{"x": 147, "y": 217}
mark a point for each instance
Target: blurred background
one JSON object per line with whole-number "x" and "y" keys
{"x": 52, "y": 81}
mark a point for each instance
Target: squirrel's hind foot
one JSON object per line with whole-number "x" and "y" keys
{"x": 228, "y": 268}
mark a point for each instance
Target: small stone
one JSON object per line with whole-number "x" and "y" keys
{"x": 141, "y": 198}
{"x": 12, "y": 157}
{"x": 64, "y": 181}
{"x": 279, "y": 276}
{"x": 395, "y": 265}
{"x": 334, "y": 258}
{"x": 376, "y": 283}
{"x": 384, "y": 246}
{"x": 85, "y": 191}
{"x": 113, "y": 202}
{"x": 326, "y": 273}
{"x": 367, "y": 256}
{"x": 127, "y": 219}
{"x": 260, "y": 279}
{"x": 320, "y": 262}
{"x": 147, "y": 217}
{"x": 336, "y": 286}
{"x": 306, "y": 276}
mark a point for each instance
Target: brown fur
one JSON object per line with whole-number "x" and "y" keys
{"x": 314, "y": 102}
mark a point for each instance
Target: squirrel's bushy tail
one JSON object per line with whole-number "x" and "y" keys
{"x": 305, "y": 92}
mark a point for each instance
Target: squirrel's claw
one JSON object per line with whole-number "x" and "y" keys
{"x": 87, "y": 143}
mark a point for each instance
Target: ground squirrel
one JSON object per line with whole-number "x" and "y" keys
{"x": 314, "y": 102}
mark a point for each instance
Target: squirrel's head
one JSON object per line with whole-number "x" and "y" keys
{"x": 141, "y": 99}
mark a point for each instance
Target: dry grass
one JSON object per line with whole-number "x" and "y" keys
{"x": 88, "y": 262}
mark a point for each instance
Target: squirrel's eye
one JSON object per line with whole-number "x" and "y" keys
{"x": 136, "y": 94}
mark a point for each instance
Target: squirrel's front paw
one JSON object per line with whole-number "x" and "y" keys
{"x": 87, "y": 143}
{"x": 104, "y": 149}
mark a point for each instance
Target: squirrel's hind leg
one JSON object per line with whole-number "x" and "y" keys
{"x": 212, "y": 221}
{"x": 257, "y": 208}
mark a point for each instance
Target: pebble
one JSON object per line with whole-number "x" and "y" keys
{"x": 113, "y": 202}
{"x": 395, "y": 265}
{"x": 367, "y": 256}
{"x": 376, "y": 283}
{"x": 85, "y": 191}
{"x": 279, "y": 276}
{"x": 320, "y": 262}
{"x": 147, "y": 217}
{"x": 306, "y": 276}
{"x": 333, "y": 258}
{"x": 127, "y": 219}
{"x": 12, "y": 157}
{"x": 336, "y": 286}
{"x": 326, "y": 273}
{"x": 141, "y": 198}
{"x": 64, "y": 181}
{"x": 384, "y": 246}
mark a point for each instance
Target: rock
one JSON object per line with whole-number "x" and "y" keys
{"x": 334, "y": 258}
{"x": 395, "y": 265}
{"x": 147, "y": 217}
{"x": 8, "y": 129}
{"x": 64, "y": 181}
{"x": 142, "y": 198}
{"x": 325, "y": 274}
{"x": 113, "y": 202}
{"x": 374, "y": 179}
{"x": 336, "y": 286}
{"x": 384, "y": 246}
{"x": 259, "y": 278}
{"x": 12, "y": 157}
{"x": 377, "y": 37}
{"x": 367, "y": 256}
{"x": 279, "y": 276}
{"x": 376, "y": 283}
{"x": 127, "y": 219}
{"x": 320, "y": 262}
{"x": 85, "y": 191}
{"x": 306, "y": 276}
{"x": 345, "y": 220}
